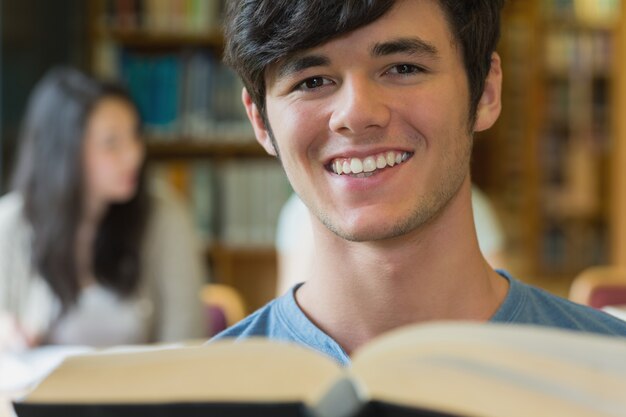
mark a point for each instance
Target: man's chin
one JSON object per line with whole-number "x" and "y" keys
{"x": 369, "y": 234}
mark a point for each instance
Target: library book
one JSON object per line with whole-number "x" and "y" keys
{"x": 436, "y": 369}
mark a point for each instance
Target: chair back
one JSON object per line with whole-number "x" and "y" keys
{"x": 599, "y": 287}
{"x": 224, "y": 306}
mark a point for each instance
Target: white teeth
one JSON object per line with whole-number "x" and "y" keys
{"x": 359, "y": 167}
{"x": 346, "y": 167}
{"x": 338, "y": 167}
{"x": 356, "y": 166}
{"x": 391, "y": 159}
{"x": 369, "y": 164}
{"x": 381, "y": 161}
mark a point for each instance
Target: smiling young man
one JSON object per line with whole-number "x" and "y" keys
{"x": 371, "y": 107}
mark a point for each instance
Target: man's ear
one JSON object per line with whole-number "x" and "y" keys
{"x": 490, "y": 103}
{"x": 258, "y": 124}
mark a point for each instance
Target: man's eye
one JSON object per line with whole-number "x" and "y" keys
{"x": 404, "y": 69}
{"x": 312, "y": 83}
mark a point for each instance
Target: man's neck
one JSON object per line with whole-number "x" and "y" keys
{"x": 360, "y": 290}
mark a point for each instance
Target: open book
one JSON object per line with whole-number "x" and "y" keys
{"x": 454, "y": 369}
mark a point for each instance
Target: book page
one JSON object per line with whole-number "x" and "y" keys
{"x": 225, "y": 371}
{"x": 21, "y": 371}
{"x": 496, "y": 370}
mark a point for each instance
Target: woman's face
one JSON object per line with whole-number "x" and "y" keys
{"x": 113, "y": 151}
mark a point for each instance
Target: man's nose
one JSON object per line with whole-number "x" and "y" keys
{"x": 360, "y": 107}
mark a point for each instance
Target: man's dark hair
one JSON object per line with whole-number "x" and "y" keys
{"x": 261, "y": 32}
{"x": 49, "y": 177}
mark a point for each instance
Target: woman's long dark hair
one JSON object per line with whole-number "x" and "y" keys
{"x": 49, "y": 176}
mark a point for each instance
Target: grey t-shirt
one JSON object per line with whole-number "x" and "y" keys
{"x": 283, "y": 319}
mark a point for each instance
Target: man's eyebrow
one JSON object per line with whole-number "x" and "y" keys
{"x": 299, "y": 63}
{"x": 413, "y": 46}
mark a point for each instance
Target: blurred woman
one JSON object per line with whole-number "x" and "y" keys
{"x": 88, "y": 253}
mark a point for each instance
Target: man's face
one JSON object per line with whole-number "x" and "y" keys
{"x": 373, "y": 127}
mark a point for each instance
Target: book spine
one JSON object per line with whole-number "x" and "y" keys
{"x": 190, "y": 94}
{"x": 203, "y": 199}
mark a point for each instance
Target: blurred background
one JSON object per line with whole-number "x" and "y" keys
{"x": 554, "y": 167}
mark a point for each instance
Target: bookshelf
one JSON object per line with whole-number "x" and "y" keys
{"x": 208, "y": 149}
{"x": 618, "y": 161}
{"x": 198, "y": 138}
{"x": 553, "y": 164}
{"x": 137, "y": 38}
{"x": 557, "y": 137}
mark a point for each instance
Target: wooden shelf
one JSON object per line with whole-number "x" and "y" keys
{"x": 197, "y": 149}
{"x": 253, "y": 252}
{"x": 252, "y": 270}
{"x": 577, "y": 24}
{"x": 554, "y": 75}
{"x": 161, "y": 40}
{"x": 618, "y": 154}
{"x": 540, "y": 116}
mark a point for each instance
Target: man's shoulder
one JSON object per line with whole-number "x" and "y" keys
{"x": 261, "y": 323}
{"x": 280, "y": 319}
{"x": 532, "y": 305}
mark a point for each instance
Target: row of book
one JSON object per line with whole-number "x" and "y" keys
{"x": 235, "y": 203}
{"x": 567, "y": 118}
{"x": 509, "y": 178}
{"x": 570, "y": 248}
{"x": 189, "y": 95}
{"x": 574, "y": 141}
{"x": 573, "y": 52}
{"x": 593, "y": 12}
{"x": 580, "y": 107}
{"x": 163, "y": 16}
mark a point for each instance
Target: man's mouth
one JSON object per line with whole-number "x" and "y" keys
{"x": 365, "y": 167}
